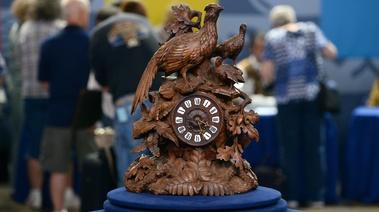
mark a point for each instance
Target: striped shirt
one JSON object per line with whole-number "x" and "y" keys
{"x": 32, "y": 34}
{"x": 295, "y": 55}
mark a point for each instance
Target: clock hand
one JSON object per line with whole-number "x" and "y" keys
{"x": 199, "y": 122}
{"x": 205, "y": 123}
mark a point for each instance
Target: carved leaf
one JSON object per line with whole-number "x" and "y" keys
{"x": 232, "y": 93}
{"x": 165, "y": 109}
{"x": 252, "y": 132}
{"x": 167, "y": 90}
{"x": 140, "y": 148}
{"x": 166, "y": 131}
{"x": 141, "y": 127}
{"x": 151, "y": 143}
{"x": 251, "y": 117}
{"x": 225, "y": 153}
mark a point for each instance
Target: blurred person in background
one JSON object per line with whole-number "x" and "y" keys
{"x": 251, "y": 66}
{"x": 290, "y": 60}
{"x": 5, "y": 126}
{"x": 121, "y": 47}
{"x": 105, "y": 13}
{"x": 42, "y": 24}
{"x": 20, "y": 10}
{"x": 63, "y": 71}
{"x": 106, "y": 98}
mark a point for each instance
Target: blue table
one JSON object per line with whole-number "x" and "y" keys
{"x": 266, "y": 151}
{"x": 360, "y": 181}
{"x": 260, "y": 200}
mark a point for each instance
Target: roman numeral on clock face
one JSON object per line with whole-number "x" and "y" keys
{"x": 188, "y": 103}
{"x": 213, "y": 110}
{"x": 206, "y": 103}
{"x": 197, "y": 101}
{"x": 197, "y": 138}
{"x": 188, "y": 136}
{"x": 213, "y": 129}
{"x": 215, "y": 119}
{"x": 178, "y": 120}
{"x": 207, "y": 136}
{"x": 181, "y": 129}
{"x": 181, "y": 110}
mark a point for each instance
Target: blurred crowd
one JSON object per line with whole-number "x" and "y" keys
{"x": 63, "y": 81}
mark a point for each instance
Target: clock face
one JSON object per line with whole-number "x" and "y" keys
{"x": 197, "y": 119}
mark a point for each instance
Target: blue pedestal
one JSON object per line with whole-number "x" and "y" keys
{"x": 262, "y": 199}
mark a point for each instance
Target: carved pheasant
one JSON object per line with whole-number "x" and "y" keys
{"x": 233, "y": 46}
{"x": 181, "y": 53}
{"x": 228, "y": 73}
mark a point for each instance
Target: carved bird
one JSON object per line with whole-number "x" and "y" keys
{"x": 233, "y": 46}
{"x": 181, "y": 53}
{"x": 181, "y": 21}
{"x": 227, "y": 73}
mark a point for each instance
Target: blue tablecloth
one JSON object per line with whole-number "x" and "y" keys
{"x": 360, "y": 181}
{"x": 266, "y": 151}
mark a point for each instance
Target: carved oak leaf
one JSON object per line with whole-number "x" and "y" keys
{"x": 225, "y": 153}
{"x": 228, "y": 92}
{"x": 151, "y": 142}
{"x": 251, "y": 131}
{"x": 142, "y": 127}
{"x": 251, "y": 117}
{"x": 161, "y": 110}
{"x": 165, "y": 130}
{"x": 167, "y": 90}
{"x": 236, "y": 157}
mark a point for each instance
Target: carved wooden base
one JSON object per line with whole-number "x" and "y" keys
{"x": 189, "y": 171}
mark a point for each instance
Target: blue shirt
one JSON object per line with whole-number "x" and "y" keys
{"x": 64, "y": 64}
{"x": 296, "y": 59}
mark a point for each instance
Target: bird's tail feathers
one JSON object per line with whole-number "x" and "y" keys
{"x": 145, "y": 83}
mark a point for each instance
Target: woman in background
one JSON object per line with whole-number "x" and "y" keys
{"x": 43, "y": 23}
{"x": 291, "y": 61}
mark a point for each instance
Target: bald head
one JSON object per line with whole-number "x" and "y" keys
{"x": 75, "y": 12}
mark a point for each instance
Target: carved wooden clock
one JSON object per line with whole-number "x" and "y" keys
{"x": 197, "y": 119}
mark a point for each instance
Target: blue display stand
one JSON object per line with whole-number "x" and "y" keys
{"x": 261, "y": 199}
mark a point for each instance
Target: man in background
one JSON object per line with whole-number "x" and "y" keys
{"x": 64, "y": 69}
{"x": 121, "y": 47}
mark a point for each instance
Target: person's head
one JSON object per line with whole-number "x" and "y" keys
{"x": 76, "y": 12}
{"x": 105, "y": 13}
{"x": 281, "y": 15}
{"x": 45, "y": 10}
{"x": 133, "y": 7}
{"x": 257, "y": 44}
{"x": 21, "y": 9}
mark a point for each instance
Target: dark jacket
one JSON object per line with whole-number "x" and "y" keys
{"x": 64, "y": 64}
{"x": 121, "y": 47}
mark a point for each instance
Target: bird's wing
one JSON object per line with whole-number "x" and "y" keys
{"x": 174, "y": 55}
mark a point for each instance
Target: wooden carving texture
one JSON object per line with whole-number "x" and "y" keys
{"x": 174, "y": 167}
